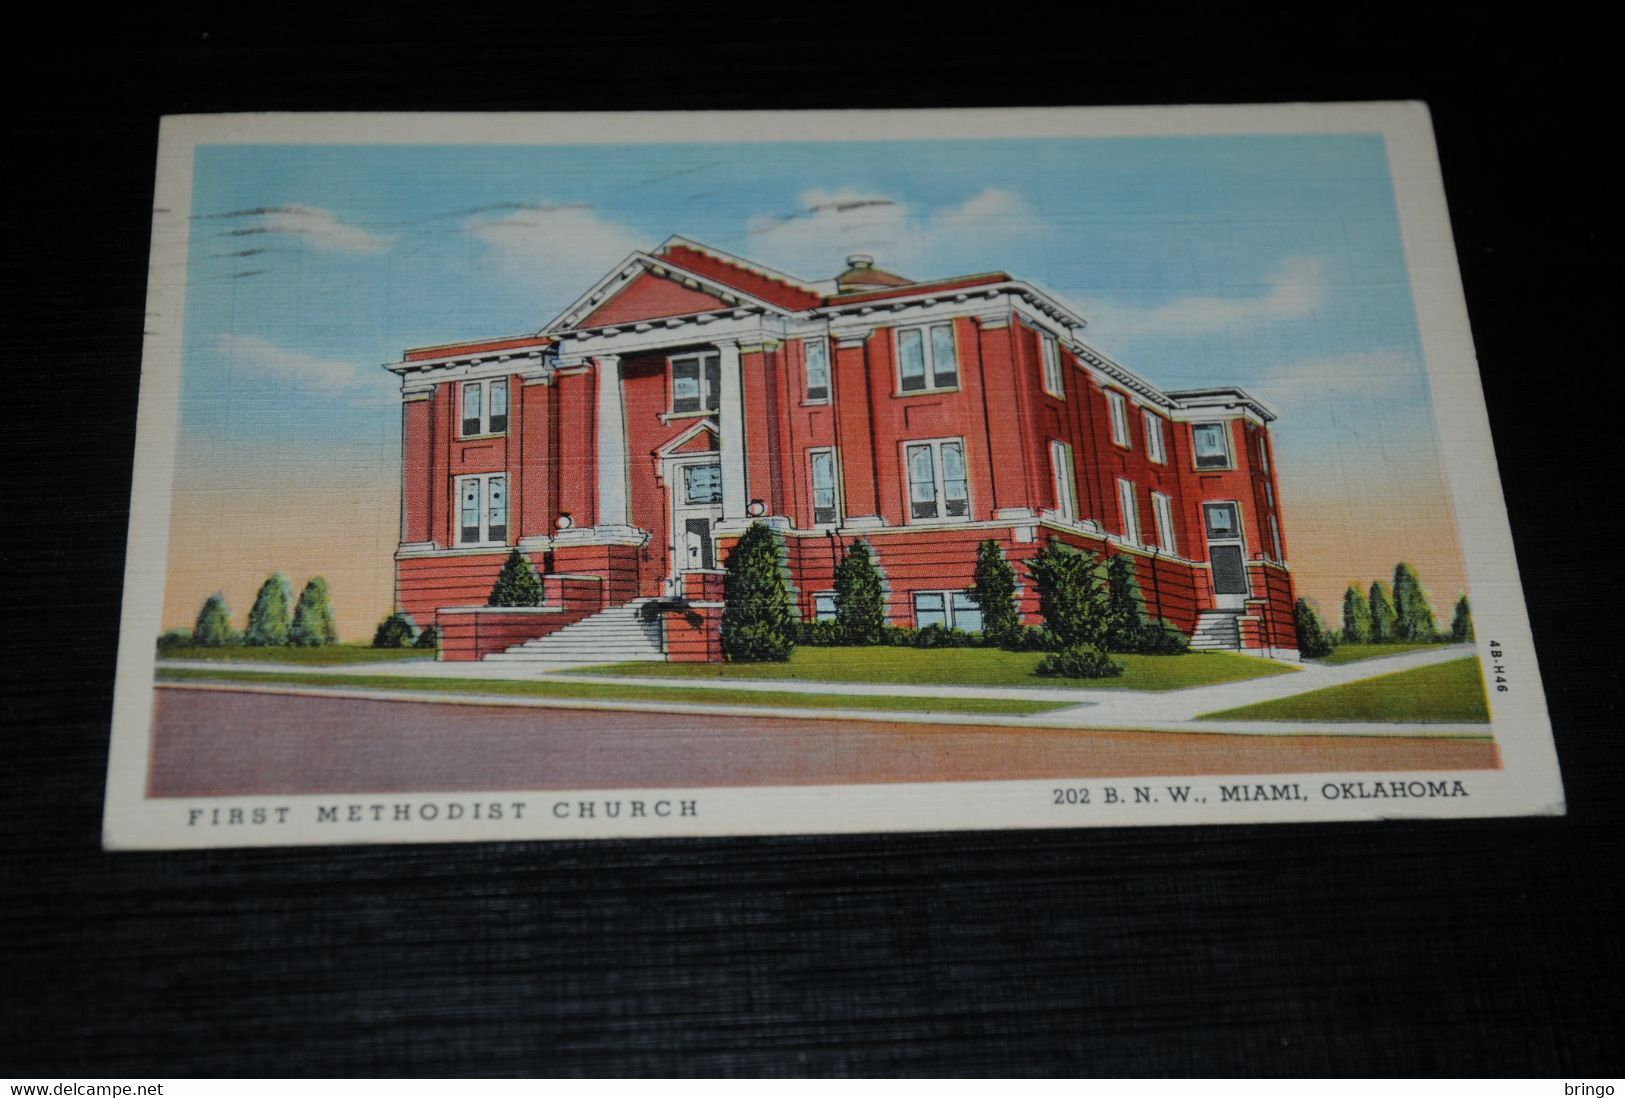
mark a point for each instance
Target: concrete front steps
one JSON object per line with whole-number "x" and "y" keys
{"x": 619, "y": 634}
{"x": 1217, "y": 631}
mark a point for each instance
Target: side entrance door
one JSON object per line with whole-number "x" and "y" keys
{"x": 696, "y": 507}
{"x": 1227, "y": 553}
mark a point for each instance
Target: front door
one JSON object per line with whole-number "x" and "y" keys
{"x": 696, "y": 507}
{"x": 1227, "y": 554}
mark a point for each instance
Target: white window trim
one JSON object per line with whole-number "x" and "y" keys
{"x": 812, "y": 485}
{"x": 1128, "y": 501}
{"x": 1154, "y": 448}
{"x": 484, "y": 385}
{"x": 1229, "y": 449}
{"x": 929, "y": 350}
{"x": 1241, "y": 524}
{"x": 950, "y": 616}
{"x": 706, "y": 408}
{"x": 484, "y": 481}
{"x": 1275, "y": 539}
{"x": 939, "y": 482}
{"x": 1049, "y": 353}
{"x": 829, "y": 371}
{"x": 1117, "y": 410}
{"x": 1063, "y": 478}
{"x": 1162, "y": 509}
{"x": 816, "y": 595}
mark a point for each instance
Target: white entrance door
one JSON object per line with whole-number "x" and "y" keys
{"x": 1227, "y": 554}
{"x": 696, "y": 507}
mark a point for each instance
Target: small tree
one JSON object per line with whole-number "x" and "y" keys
{"x": 517, "y": 584}
{"x": 395, "y": 631}
{"x": 1356, "y": 616}
{"x": 1413, "y": 617}
{"x": 758, "y": 623}
{"x": 1382, "y": 614}
{"x": 1126, "y": 618}
{"x": 429, "y": 638}
{"x": 268, "y": 620}
{"x": 1071, "y": 594}
{"x": 860, "y": 596}
{"x": 213, "y": 628}
{"x": 313, "y": 617}
{"x": 994, "y": 591}
{"x": 1314, "y": 639}
{"x": 1461, "y": 626}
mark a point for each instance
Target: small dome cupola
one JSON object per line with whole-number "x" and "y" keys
{"x": 862, "y": 274}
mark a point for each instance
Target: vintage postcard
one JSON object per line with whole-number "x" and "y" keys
{"x": 563, "y": 476}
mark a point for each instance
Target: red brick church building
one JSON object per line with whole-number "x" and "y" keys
{"x": 689, "y": 393}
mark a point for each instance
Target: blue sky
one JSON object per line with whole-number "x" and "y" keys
{"x": 1273, "y": 262}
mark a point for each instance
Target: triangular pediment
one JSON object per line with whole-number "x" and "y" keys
{"x": 646, "y": 297}
{"x": 700, "y": 438}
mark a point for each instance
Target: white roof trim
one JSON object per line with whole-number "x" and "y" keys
{"x": 605, "y": 290}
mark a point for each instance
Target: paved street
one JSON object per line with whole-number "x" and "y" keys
{"x": 222, "y": 741}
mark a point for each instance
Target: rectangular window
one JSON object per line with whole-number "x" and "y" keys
{"x": 1062, "y": 477}
{"x": 695, "y": 383}
{"x": 1223, "y": 524}
{"x": 1118, "y": 407}
{"x": 1162, "y": 508}
{"x": 702, "y": 484}
{"x": 1153, "y": 438}
{"x": 1054, "y": 384}
{"x": 949, "y": 609}
{"x": 926, "y": 358}
{"x": 817, "y": 351}
{"x": 1131, "y": 511}
{"x": 1211, "y": 445}
{"x": 937, "y": 484}
{"x": 484, "y": 407}
{"x": 482, "y": 509}
{"x": 1263, "y": 453}
{"x": 823, "y": 606}
{"x": 823, "y": 486}
{"x": 1275, "y": 540}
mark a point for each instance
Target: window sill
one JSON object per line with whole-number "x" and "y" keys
{"x": 672, "y": 417}
{"x": 900, "y": 394}
{"x": 482, "y": 438}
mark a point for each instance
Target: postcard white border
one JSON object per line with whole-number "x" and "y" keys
{"x": 1528, "y": 783}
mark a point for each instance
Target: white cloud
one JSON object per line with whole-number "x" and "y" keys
{"x": 326, "y": 376}
{"x": 555, "y": 252}
{"x": 1293, "y": 290}
{"x": 814, "y": 242}
{"x": 320, "y": 228}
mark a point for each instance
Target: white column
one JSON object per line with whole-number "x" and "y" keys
{"x": 731, "y": 422}
{"x": 612, "y": 488}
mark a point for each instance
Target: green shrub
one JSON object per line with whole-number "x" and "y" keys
{"x": 1314, "y": 639}
{"x": 820, "y": 634}
{"x": 1356, "y": 616}
{"x": 1032, "y": 638}
{"x": 429, "y": 638}
{"x": 1161, "y": 638}
{"x": 758, "y": 619}
{"x": 213, "y": 628}
{"x": 1461, "y": 626}
{"x": 860, "y": 596}
{"x": 1382, "y": 614}
{"x": 994, "y": 591}
{"x": 1126, "y": 617}
{"x": 395, "y": 631}
{"x": 929, "y": 636}
{"x": 313, "y": 617}
{"x": 1071, "y": 594}
{"x": 268, "y": 621}
{"x": 517, "y": 584}
{"x": 1413, "y": 617}
{"x": 172, "y": 639}
{"x": 1079, "y": 661}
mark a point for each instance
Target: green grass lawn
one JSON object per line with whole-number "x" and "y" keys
{"x": 1354, "y": 653}
{"x": 592, "y": 691}
{"x": 1442, "y": 692}
{"x": 320, "y": 654}
{"x": 958, "y": 667}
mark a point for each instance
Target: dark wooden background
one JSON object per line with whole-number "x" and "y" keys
{"x": 1482, "y": 947}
